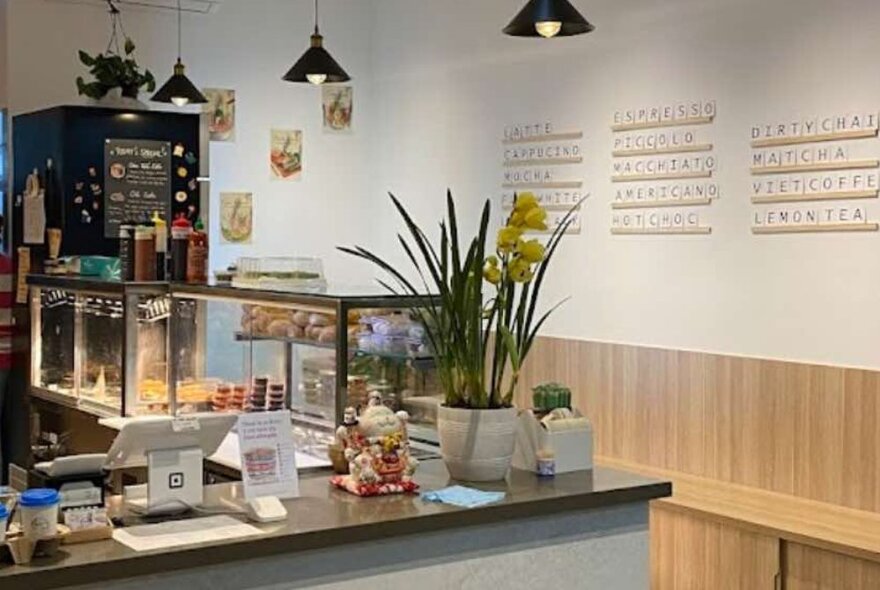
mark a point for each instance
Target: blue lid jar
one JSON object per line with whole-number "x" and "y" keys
{"x": 39, "y": 498}
{"x": 4, "y": 513}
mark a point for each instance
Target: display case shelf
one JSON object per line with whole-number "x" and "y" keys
{"x": 242, "y": 337}
{"x": 422, "y": 361}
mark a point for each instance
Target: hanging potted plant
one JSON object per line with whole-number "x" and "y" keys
{"x": 116, "y": 73}
{"x": 470, "y": 295}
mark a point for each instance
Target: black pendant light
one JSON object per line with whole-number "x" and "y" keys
{"x": 316, "y": 66}
{"x": 178, "y": 90}
{"x": 548, "y": 18}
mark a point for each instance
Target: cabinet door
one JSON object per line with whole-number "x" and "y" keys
{"x": 807, "y": 568}
{"x": 689, "y": 552}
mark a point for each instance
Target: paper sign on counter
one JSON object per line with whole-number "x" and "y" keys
{"x": 268, "y": 456}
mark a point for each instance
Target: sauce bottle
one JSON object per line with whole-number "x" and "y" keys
{"x": 144, "y": 253}
{"x": 180, "y": 232}
{"x": 126, "y": 251}
{"x": 161, "y": 229}
{"x": 197, "y": 255}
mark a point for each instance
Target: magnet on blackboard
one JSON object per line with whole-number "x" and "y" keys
{"x": 78, "y": 199}
{"x": 96, "y": 205}
{"x": 79, "y": 186}
{"x": 190, "y": 158}
{"x": 193, "y": 184}
{"x": 93, "y": 172}
{"x": 182, "y": 172}
{"x": 192, "y": 210}
{"x": 178, "y": 150}
{"x": 96, "y": 189}
{"x": 180, "y": 196}
{"x": 85, "y": 216}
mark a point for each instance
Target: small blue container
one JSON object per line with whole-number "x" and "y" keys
{"x": 39, "y": 498}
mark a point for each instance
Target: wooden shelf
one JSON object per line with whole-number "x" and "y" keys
{"x": 661, "y": 124}
{"x": 816, "y": 228}
{"x": 841, "y": 136}
{"x": 678, "y": 175}
{"x": 542, "y": 162}
{"x": 568, "y": 136}
{"x": 700, "y": 147}
{"x": 817, "y": 524}
{"x": 806, "y": 197}
{"x": 676, "y": 231}
{"x": 664, "y": 203}
{"x": 543, "y": 185}
{"x": 820, "y": 167}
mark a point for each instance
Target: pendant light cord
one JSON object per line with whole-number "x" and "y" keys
{"x": 316, "y": 17}
{"x": 179, "y": 28}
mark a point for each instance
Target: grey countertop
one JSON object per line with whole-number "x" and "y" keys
{"x": 324, "y": 517}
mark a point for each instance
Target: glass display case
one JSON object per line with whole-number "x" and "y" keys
{"x": 127, "y": 349}
{"x": 100, "y": 346}
{"x": 316, "y": 353}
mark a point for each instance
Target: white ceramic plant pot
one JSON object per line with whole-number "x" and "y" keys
{"x": 477, "y": 445}
{"x": 114, "y": 100}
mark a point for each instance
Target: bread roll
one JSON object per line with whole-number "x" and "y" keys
{"x": 301, "y": 318}
{"x": 320, "y": 319}
{"x": 279, "y": 328}
{"x": 327, "y": 334}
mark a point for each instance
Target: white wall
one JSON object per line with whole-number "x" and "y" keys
{"x": 247, "y": 45}
{"x": 435, "y": 84}
{"x": 450, "y": 84}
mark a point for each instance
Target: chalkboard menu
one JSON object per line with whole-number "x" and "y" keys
{"x": 137, "y": 181}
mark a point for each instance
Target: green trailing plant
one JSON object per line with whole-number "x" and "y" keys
{"x": 114, "y": 68}
{"x": 114, "y": 71}
{"x": 455, "y": 280}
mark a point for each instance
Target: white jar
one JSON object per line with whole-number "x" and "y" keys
{"x": 39, "y": 513}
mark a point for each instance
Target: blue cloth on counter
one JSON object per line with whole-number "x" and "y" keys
{"x": 463, "y": 497}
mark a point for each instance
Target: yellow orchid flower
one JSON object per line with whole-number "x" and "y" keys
{"x": 525, "y": 202}
{"x": 492, "y": 274}
{"x": 508, "y": 237}
{"x": 517, "y": 219}
{"x": 536, "y": 218}
{"x": 492, "y": 260}
{"x": 531, "y": 251}
{"x": 520, "y": 270}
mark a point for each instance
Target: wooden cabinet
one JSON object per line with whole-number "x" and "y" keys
{"x": 689, "y": 552}
{"x": 692, "y": 551}
{"x": 808, "y": 568}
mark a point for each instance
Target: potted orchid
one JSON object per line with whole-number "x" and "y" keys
{"x": 481, "y": 318}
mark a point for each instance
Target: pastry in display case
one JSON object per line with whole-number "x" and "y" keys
{"x": 100, "y": 346}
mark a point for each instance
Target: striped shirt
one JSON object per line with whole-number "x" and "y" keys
{"x": 6, "y": 325}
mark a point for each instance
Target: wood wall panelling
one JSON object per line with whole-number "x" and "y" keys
{"x": 804, "y": 430}
{"x": 692, "y": 553}
{"x": 807, "y": 568}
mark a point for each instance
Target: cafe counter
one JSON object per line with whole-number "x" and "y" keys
{"x": 585, "y": 529}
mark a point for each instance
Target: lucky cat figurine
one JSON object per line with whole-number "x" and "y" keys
{"x": 376, "y": 446}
